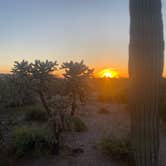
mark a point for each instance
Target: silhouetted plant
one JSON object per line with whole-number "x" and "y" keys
{"x": 36, "y": 114}
{"x": 41, "y": 75}
{"x": 76, "y": 75}
{"x": 15, "y": 87}
{"x": 146, "y": 54}
{"x": 78, "y": 125}
{"x": 8, "y": 95}
{"x": 59, "y": 118}
{"x": 37, "y": 76}
{"x": 34, "y": 77}
{"x": 21, "y": 79}
{"x": 32, "y": 140}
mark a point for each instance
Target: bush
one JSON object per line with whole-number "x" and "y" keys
{"x": 36, "y": 114}
{"x": 78, "y": 125}
{"x": 118, "y": 149}
{"x": 35, "y": 141}
{"x": 103, "y": 111}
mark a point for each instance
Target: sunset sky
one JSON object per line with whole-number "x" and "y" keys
{"x": 96, "y": 31}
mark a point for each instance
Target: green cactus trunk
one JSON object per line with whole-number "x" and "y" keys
{"x": 146, "y": 54}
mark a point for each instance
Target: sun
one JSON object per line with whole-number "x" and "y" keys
{"x": 109, "y": 73}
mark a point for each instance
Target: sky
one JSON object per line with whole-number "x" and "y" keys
{"x": 96, "y": 31}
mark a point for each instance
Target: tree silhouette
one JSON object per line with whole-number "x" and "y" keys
{"x": 41, "y": 75}
{"x": 34, "y": 76}
{"x": 19, "y": 83}
{"x": 76, "y": 74}
{"x": 145, "y": 70}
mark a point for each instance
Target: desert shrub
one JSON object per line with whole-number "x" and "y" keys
{"x": 34, "y": 141}
{"x": 103, "y": 111}
{"x": 78, "y": 125}
{"x": 12, "y": 95}
{"x": 118, "y": 149}
{"x": 36, "y": 114}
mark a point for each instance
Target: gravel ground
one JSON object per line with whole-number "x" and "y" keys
{"x": 115, "y": 123}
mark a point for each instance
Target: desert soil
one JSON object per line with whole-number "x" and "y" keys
{"x": 115, "y": 123}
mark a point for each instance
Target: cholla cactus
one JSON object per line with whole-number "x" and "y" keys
{"x": 42, "y": 70}
{"x": 21, "y": 81}
{"x": 76, "y": 74}
{"x": 59, "y": 118}
{"x": 21, "y": 69}
{"x": 33, "y": 76}
{"x": 41, "y": 75}
{"x": 60, "y": 108}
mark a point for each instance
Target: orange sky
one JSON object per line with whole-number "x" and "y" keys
{"x": 121, "y": 69}
{"x": 66, "y": 30}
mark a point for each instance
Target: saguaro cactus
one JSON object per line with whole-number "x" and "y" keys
{"x": 145, "y": 70}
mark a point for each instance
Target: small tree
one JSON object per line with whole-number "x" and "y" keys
{"x": 59, "y": 118}
{"x": 76, "y": 75}
{"x": 41, "y": 75}
{"x": 19, "y": 84}
{"x": 34, "y": 76}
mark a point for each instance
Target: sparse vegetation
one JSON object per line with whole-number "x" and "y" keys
{"x": 45, "y": 100}
{"x": 36, "y": 114}
{"x": 119, "y": 149}
{"x": 76, "y": 75}
{"x": 36, "y": 80}
{"x": 78, "y": 125}
{"x": 33, "y": 141}
{"x": 35, "y": 77}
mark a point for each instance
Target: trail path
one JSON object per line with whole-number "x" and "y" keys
{"x": 116, "y": 123}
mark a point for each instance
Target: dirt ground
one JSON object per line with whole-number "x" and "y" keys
{"x": 115, "y": 123}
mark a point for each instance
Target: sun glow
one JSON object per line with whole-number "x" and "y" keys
{"x": 109, "y": 73}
